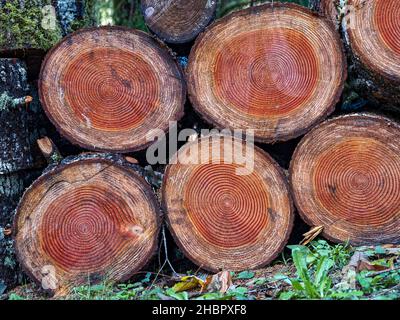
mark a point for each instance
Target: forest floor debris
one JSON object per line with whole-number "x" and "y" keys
{"x": 319, "y": 270}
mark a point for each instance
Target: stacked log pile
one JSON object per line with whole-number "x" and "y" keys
{"x": 278, "y": 70}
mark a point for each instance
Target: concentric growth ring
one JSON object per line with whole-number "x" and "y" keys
{"x": 178, "y": 21}
{"x": 106, "y": 88}
{"x": 345, "y": 176}
{"x": 277, "y": 69}
{"x": 90, "y": 219}
{"x": 374, "y": 35}
{"x": 223, "y": 213}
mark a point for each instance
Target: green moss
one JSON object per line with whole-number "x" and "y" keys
{"x": 88, "y": 17}
{"x": 22, "y": 27}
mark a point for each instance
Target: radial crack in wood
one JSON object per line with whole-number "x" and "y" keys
{"x": 220, "y": 219}
{"x": 345, "y": 176}
{"x": 107, "y": 88}
{"x": 275, "y": 69}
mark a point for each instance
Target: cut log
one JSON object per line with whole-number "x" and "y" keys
{"x": 178, "y": 21}
{"x": 89, "y": 219}
{"x": 39, "y": 24}
{"x": 117, "y": 85}
{"x": 289, "y": 71}
{"x": 345, "y": 176}
{"x": 372, "y": 33}
{"x": 221, "y": 217}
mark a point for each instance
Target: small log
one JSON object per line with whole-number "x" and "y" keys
{"x": 371, "y": 30}
{"x": 276, "y": 68}
{"x": 49, "y": 150}
{"x": 178, "y": 21}
{"x": 223, "y": 219}
{"x": 88, "y": 220}
{"x": 117, "y": 84}
{"x": 345, "y": 176}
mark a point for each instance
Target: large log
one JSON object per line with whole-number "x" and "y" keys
{"x": 222, "y": 218}
{"x": 345, "y": 176}
{"x": 276, "y": 68}
{"x": 90, "y": 219}
{"x": 39, "y": 24}
{"x": 116, "y": 85}
{"x": 371, "y": 30}
{"x": 178, "y": 21}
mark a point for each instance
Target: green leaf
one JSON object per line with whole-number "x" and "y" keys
{"x": 245, "y": 275}
{"x": 287, "y": 295}
{"x": 379, "y": 250}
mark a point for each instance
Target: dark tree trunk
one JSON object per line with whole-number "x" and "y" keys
{"x": 18, "y": 155}
{"x": 16, "y": 118}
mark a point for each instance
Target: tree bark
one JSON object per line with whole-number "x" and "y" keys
{"x": 178, "y": 21}
{"x": 18, "y": 156}
{"x": 223, "y": 214}
{"x": 117, "y": 85}
{"x": 41, "y": 23}
{"x": 345, "y": 177}
{"x": 90, "y": 218}
{"x": 284, "y": 80}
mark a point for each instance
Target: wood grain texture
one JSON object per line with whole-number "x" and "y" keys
{"x": 106, "y": 88}
{"x": 178, "y": 21}
{"x": 276, "y": 69}
{"x": 222, "y": 220}
{"x": 372, "y": 33}
{"x": 345, "y": 176}
{"x": 90, "y": 220}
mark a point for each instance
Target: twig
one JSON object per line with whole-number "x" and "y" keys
{"x": 166, "y": 261}
{"x": 376, "y": 273}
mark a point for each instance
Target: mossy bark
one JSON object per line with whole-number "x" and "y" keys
{"x": 39, "y": 24}
{"x": 19, "y": 156}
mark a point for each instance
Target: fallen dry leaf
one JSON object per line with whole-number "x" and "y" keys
{"x": 221, "y": 282}
{"x": 188, "y": 283}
